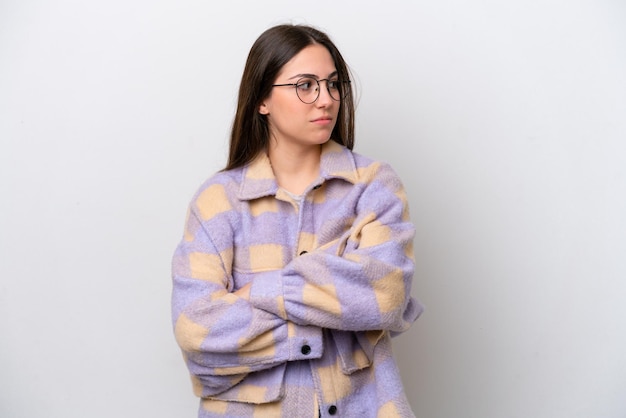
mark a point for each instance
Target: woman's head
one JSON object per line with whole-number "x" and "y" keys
{"x": 268, "y": 56}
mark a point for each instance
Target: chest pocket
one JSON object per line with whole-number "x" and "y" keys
{"x": 255, "y": 259}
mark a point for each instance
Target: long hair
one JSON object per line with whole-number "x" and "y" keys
{"x": 271, "y": 51}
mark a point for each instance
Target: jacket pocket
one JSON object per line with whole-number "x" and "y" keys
{"x": 257, "y": 388}
{"x": 356, "y": 349}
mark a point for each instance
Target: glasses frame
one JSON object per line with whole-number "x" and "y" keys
{"x": 319, "y": 87}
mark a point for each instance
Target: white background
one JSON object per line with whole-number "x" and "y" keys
{"x": 506, "y": 121}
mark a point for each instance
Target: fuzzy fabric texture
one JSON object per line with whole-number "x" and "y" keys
{"x": 326, "y": 282}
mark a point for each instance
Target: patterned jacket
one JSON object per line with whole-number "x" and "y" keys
{"x": 329, "y": 279}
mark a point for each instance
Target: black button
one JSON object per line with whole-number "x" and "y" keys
{"x": 303, "y": 252}
{"x": 306, "y": 349}
{"x": 332, "y": 410}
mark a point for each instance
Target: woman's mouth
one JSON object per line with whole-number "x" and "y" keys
{"x": 324, "y": 120}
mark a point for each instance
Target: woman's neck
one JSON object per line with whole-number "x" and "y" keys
{"x": 295, "y": 168}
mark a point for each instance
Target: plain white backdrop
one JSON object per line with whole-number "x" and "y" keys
{"x": 506, "y": 121}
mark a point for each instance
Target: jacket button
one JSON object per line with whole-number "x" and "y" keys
{"x": 303, "y": 252}
{"x": 332, "y": 410}
{"x": 306, "y": 349}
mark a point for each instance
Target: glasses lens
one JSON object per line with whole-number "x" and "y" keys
{"x": 308, "y": 89}
{"x": 338, "y": 89}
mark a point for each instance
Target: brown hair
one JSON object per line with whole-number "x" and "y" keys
{"x": 271, "y": 51}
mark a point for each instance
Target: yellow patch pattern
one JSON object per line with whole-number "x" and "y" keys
{"x": 215, "y": 406}
{"x": 374, "y": 233}
{"x": 388, "y": 410}
{"x": 306, "y": 242}
{"x": 188, "y": 235}
{"x": 321, "y": 297}
{"x": 263, "y": 205}
{"x": 261, "y": 346}
{"x": 204, "y": 266}
{"x": 247, "y": 392}
{"x": 227, "y": 371}
{"x": 212, "y": 201}
{"x": 266, "y": 257}
{"x": 319, "y": 196}
{"x": 189, "y": 334}
{"x": 389, "y": 291}
{"x": 374, "y": 336}
{"x": 335, "y": 384}
{"x": 260, "y": 168}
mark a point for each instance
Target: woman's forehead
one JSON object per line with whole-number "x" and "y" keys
{"x": 314, "y": 60}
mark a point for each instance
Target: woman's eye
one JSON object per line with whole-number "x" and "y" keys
{"x": 333, "y": 84}
{"x": 305, "y": 85}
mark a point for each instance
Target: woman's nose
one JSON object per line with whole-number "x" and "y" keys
{"x": 324, "y": 98}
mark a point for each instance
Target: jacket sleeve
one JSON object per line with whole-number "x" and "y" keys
{"x": 361, "y": 281}
{"x": 222, "y": 335}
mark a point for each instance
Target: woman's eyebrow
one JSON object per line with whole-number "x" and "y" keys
{"x": 334, "y": 73}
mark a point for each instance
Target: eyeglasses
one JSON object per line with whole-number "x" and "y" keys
{"x": 308, "y": 89}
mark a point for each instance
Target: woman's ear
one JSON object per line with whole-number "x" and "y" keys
{"x": 263, "y": 109}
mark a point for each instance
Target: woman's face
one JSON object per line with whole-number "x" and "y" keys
{"x": 292, "y": 122}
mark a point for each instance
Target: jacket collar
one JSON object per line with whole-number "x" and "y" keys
{"x": 258, "y": 181}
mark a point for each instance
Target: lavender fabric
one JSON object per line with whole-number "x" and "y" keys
{"x": 286, "y": 307}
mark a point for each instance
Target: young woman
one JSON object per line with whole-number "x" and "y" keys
{"x": 296, "y": 263}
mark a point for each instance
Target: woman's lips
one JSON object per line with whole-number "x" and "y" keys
{"x": 324, "y": 120}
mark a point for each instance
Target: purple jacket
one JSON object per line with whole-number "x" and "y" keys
{"x": 330, "y": 278}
